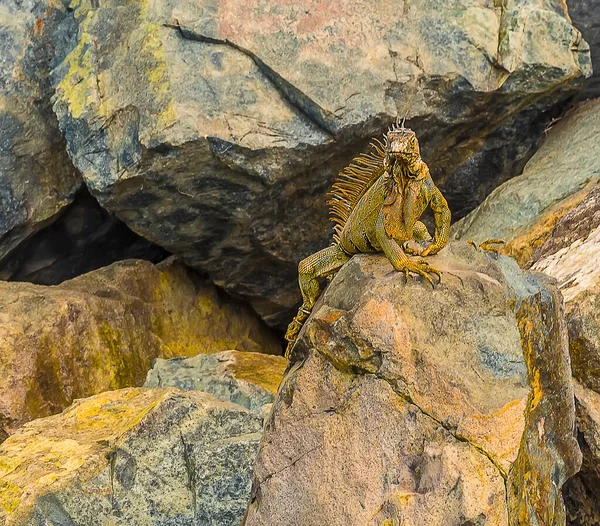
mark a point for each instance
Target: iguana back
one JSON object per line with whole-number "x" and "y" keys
{"x": 352, "y": 183}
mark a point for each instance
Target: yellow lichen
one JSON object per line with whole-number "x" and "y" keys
{"x": 10, "y": 496}
{"x": 536, "y": 389}
{"x": 260, "y": 369}
{"x": 52, "y": 450}
{"x": 83, "y": 85}
{"x": 158, "y": 77}
{"x": 77, "y": 88}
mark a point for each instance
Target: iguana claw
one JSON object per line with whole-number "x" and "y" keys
{"x": 486, "y": 246}
{"x": 294, "y": 328}
{"x": 422, "y": 268}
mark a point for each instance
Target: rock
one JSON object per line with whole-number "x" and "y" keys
{"x": 215, "y": 129}
{"x": 102, "y": 331}
{"x": 248, "y": 379}
{"x": 407, "y": 405}
{"x": 586, "y": 17}
{"x": 524, "y": 210}
{"x": 85, "y": 237}
{"x": 37, "y": 178}
{"x": 582, "y": 492}
{"x": 550, "y": 216}
{"x": 131, "y": 457}
{"x": 571, "y": 255}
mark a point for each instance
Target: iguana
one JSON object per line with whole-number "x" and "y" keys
{"x": 376, "y": 204}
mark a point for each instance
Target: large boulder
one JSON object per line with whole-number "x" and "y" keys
{"x": 215, "y": 129}
{"x": 248, "y": 379}
{"x": 586, "y": 17}
{"x": 37, "y": 178}
{"x": 102, "y": 331}
{"x": 524, "y": 211}
{"x": 408, "y": 405}
{"x": 131, "y": 457}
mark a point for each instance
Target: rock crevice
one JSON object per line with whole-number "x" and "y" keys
{"x": 300, "y": 101}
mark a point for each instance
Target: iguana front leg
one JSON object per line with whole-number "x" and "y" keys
{"x": 399, "y": 259}
{"x": 442, "y": 218}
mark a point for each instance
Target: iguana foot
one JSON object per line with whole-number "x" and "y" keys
{"x": 422, "y": 268}
{"x": 414, "y": 248}
{"x": 294, "y": 328}
{"x": 487, "y": 245}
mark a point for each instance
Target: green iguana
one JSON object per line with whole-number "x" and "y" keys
{"x": 376, "y": 204}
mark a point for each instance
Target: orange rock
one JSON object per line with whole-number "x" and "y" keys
{"x": 101, "y": 331}
{"x": 420, "y": 406}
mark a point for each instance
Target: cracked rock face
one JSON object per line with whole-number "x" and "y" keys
{"x": 102, "y": 331}
{"x": 571, "y": 256}
{"x": 214, "y": 129}
{"x": 429, "y": 407}
{"x": 551, "y": 222}
{"x": 37, "y": 178}
{"x": 132, "y": 457}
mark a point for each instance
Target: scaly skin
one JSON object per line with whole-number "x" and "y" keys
{"x": 383, "y": 220}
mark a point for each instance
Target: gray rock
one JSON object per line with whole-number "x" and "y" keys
{"x": 132, "y": 457}
{"x": 248, "y": 379}
{"x": 550, "y": 218}
{"x": 37, "y": 178}
{"x": 585, "y": 15}
{"x": 215, "y": 129}
{"x": 524, "y": 210}
{"x": 407, "y": 405}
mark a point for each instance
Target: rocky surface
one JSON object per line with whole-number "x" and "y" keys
{"x": 215, "y": 129}
{"x": 132, "y": 457}
{"x": 582, "y": 492}
{"x": 550, "y": 217}
{"x": 524, "y": 210}
{"x": 586, "y": 17}
{"x": 248, "y": 379}
{"x": 102, "y": 331}
{"x": 37, "y": 179}
{"x": 416, "y": 406}
{"x": 85, "y": 237}
{"x": 571, "y": 255}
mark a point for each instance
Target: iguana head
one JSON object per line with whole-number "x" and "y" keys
{"x": 402, "y": 146}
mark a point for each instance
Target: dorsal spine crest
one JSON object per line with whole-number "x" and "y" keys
{"x": 354, "y": 181}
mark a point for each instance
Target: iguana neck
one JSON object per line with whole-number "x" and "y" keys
{"x": 401, "y": 174}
